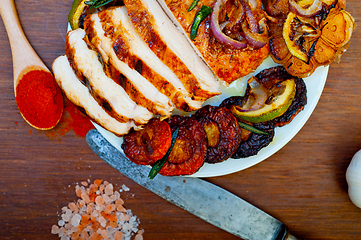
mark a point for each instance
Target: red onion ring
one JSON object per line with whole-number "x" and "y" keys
{"x": 311, "y": 11}
{"x": 217, "y": 30}
{"x": 255, "y": 39}
{"x": 251, "y": 18}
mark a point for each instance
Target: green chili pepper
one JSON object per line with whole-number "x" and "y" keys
{"x": 159, "y": 164}
{"x": 252, "y": 129}
{"x": 193, "y": 5}
{"x": 97, "y": 3}
{"x": 200, "y": 16}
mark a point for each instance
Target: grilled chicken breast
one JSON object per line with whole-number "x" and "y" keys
{"x": 110, "y": 95}
{"x": 79, "y": 95}
{"x": 227, "y": 62}
{"x": 124, "y": 70}
{"x": 127, "y": 55}
{"x": 172, "y": 48}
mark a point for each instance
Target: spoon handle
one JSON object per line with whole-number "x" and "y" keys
{"x": 24, "y": 56}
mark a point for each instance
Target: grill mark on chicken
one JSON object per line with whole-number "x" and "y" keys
{"x": 120, "y": 66}
{"x": 185, "y": 63}
{"x": 132, "y": 50}
{"x": 227, "y": 62}
{"x": 86, "y": 64}
{"x": 79, "y": 95}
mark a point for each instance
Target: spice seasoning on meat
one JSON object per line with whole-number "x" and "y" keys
{"x": 39, "y": 99}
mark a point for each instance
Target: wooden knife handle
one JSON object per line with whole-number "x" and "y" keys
{"x": 282, "y": 233}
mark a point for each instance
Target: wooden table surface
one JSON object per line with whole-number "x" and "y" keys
{"x": 303, "y": 184}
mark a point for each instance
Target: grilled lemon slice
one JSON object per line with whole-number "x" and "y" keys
{"x": 77, "y": 12}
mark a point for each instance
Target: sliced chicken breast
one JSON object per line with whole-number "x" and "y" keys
{"x": 80, "y": 96}
{"x": 227, "y": 62}
{"x": 110, "y": 95}
{"x": 125, "y": 49}
{"x": 172, "y": 47}
{"x": 125, "y": 69}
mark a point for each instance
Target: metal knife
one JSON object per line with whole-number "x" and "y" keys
{"x": 201, "y": 198}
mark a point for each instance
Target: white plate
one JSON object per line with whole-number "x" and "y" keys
{"x": 315, "y": 84}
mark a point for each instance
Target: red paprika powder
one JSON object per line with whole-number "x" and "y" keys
{"x": 72, "y": 119}
{"x": 39, "y": 99}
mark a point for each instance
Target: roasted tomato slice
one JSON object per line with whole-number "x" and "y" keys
{"x": 222, "y": 131}
{"x": 189, "y": 149}
{"x": 148, "y": 145}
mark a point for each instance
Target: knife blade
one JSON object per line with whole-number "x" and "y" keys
{"x": 199, "y": 197}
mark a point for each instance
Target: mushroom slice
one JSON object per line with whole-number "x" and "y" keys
{"x": 110, "y": 95}
{"x": 79, "y": 95}
{"x": 172, "y": 48}
{"x": 222, "y": 132}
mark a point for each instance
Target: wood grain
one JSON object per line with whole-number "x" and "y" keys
{"x": 303, "y": 184}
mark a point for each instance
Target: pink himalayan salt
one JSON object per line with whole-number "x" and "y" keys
{"x": 118, "y": 235}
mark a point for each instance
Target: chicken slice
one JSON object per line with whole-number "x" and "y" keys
{"x": 114, "y": 35}
{"x": 110, "y": 95}
{"x": 125, "y": 69}
{"x": 80, "y": 96}
{"x": 227, "y": 62}
{"x": 172, "y": 47}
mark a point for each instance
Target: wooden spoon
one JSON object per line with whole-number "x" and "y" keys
{"x": 24, "y": 57}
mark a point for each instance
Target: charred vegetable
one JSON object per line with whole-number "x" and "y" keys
{"x": 222, "y": 132}
{"x": 159, "y": 164}
{"x": 200, "y": 16}
{"x": 307, "y": 36}
{"x": 255, "y": 142}
{"x": 189, "y": 149}
{"x": 77, "y": 14}
{"x": 240, "y": 23}
{"x": 279, "y": 98}
{"x": 148, "y": 145}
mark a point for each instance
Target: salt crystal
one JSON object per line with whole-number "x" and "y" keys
{"x": 125, "y": 188}
{"x": 102, "y": 221}
{"x": 54, "y": 229}
{"x": 75, "y": 221}
{"x": 72, "y": 206}
{"x": 122, "y": 217}
{"x": 127, "y": 227}
{"x": 95, "y": 213}
{"x": 138, "y": 237}
{"x": 103, "y": 233}
{"x": 118, "y": 235}
{"x": 68, "y": 226}
{"x": 89, "y": 209}
{"x": 117, "y": 195}
{"x": 61, "y": 232}
{"x": 64, "y": 238}
{"x": 85, "y": 197}
{"x": 112, "y": 198}
{"x": 106, "y": 199}
{"x": 66, "y": 217}
{"x": 111, "y": 231}
{"x": 99, "y": 200}
{"x": 85, "y": 184}
{"x": 61, "y": 223}
{"x": 109, "y": 189}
